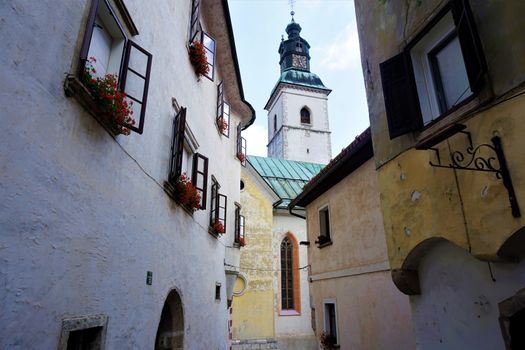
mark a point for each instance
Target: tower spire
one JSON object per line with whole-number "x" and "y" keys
{"x": 292, "y": 12}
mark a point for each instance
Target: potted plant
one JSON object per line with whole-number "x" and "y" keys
{"x": 186, "y": 194}
{"x": 328, "y": 341}
{"x": 198, "y": 58}
{"x": 242, "y": 242}
{"x": 241, "y": 157}
{"x": 218, "y": 227}
{"x": 113, "y": 108}
{"x": 222, "y": 125}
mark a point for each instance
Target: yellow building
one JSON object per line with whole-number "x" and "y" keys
{"x": 271, "y": 304}
{"x": 445, "y": 83}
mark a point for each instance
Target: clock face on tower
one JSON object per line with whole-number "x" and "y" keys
{"x": 299, "y": 61}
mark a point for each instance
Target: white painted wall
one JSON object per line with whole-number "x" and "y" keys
{"x": 458, "y": 305}
{"x": 294, "y": 331}
{"x": 293, "y": 141}
{"x": 84, "y": 217}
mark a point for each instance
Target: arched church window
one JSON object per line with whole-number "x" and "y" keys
{"x": 305, "y": 116}
{"x": 287, "y": 292}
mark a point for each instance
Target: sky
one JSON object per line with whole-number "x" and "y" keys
{"x": 329, "y": 26}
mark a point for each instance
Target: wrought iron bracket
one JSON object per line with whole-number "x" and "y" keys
{"x": 473, "y": 160}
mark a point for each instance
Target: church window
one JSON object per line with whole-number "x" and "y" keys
{"x": 290, "y": 285}
{"x": 287, "y": 301}
{"x": 305, "y": 116}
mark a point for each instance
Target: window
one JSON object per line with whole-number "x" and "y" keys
{"x": 437, "y": 72}
{"x": 239, "y": 225}
{"x": 274, "y": 123}
{"x": 217, "y": 291}
{"x": 184, "y": 160}
{"x": 287, "y": 290}
{"x": 209, "y": 46}
{"x": 83, "y": 333}
{"x": 324, "y": 227}
{"x": 241, "y": 145}
{"x": 218, "y": 205}
{"x": 114, "y": 53}
{"x": 305, "y": 116}
{"x": 195, "y": 25}
{"x": 330, "y": 319}
{"x": 223, "y": 112}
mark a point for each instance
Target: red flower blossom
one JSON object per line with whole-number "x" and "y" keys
{"x": 241, "y": 157}
{"x": 186, "y": 194}
{"x": 222, "y": 124}
{"x": 242, "y": 242}
{"x": 198, "y": 58}
{"x": 112, "y": 102}
{"x": 218, "y": 227}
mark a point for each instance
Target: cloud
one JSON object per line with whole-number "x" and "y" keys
{"x": 343, "y": 51}
{"x": 256, "y": 138}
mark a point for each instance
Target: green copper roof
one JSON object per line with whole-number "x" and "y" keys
{"x": 285, "y": 177}
{"x": 303, "y": 78}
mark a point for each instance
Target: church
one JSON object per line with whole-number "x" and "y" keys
{"x": 271, "y": 303}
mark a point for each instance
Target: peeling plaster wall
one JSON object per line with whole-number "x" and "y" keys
{"x": 458, "y": 308}
{"x": 468, "y": 208}
{"x": 371, "y": 312}
{"x": 253, "y": 311}
{"x": 84, "y": 217}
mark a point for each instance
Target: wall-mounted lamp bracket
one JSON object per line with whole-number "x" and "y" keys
{"x": 475, "y": 159}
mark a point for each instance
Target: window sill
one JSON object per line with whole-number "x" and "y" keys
{"x": 325, "y": 244}
{"x": 457, "y": 115}
{"x": 168, "y": 188}
{"x": 73, "y": 87}
{"x": 289, "y": 313}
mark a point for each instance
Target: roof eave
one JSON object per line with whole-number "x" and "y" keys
{"x": 337, "y": 172}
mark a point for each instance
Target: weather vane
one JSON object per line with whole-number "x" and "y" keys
{"x": 292, "y": 12}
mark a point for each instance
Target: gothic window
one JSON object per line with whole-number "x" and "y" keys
{"x": 305, "y": 116}
{"x": 287, "y": 290}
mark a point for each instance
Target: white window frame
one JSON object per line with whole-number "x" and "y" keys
{"x": 326, "y": 321}
{"x": 424, "y": 77}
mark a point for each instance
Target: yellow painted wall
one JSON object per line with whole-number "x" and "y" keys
{"x": 253, "y": 311}
{"x": 470, "y": 209}
{"x": 420, "y": 201}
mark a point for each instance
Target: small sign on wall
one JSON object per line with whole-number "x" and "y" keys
{"x": 149, "y": 278}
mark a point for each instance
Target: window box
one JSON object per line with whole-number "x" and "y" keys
{"x": 109, "y": 57}
{"x": 186, "y": 192}
{"x": 441, "y": 70}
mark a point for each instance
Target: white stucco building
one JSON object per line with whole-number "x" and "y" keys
{"x": 96, "y": 251}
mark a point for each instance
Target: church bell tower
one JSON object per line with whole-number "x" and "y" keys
{"x": 298, "y": 127}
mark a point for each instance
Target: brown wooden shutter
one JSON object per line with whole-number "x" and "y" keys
{"x": 399, "y": 91}
{"x": 195, "y": 23}
{"x": 86, "y": 41}
{"x": 177, "y": 145}
{"x": 237, "y": 235}
{"x": 222, "y": 202}
{"x": 214, "y": 202}
{"x": 239, "y": 139}
{"x": 136, "y": 71}
{"x": 471, "y": 48}
{"x": 220, "y": 100}
{"x": 199, "y": 176}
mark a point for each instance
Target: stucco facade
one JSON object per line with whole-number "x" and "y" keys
{"x": 423, "y": 204}
{"x": 84, "y": 214}
{"x": 352, "y": 271}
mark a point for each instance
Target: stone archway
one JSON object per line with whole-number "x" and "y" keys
{"x": 170, "y": 334}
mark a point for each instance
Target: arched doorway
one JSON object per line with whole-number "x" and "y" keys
{"x": 170, "y": 334}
